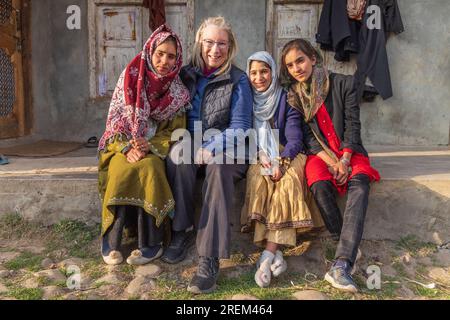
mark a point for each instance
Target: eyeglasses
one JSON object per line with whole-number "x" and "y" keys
{"x": 220, "y": 44}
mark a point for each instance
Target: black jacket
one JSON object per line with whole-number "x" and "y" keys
{"x": 343, "y": 108}
{"x": 373, "y": 59}
{"x": 336, "y": 32}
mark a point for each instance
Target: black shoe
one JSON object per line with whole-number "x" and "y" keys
{"x": 204, "y": 281}
{"x": 179, "y": 246}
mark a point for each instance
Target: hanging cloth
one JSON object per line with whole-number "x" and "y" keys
{"x": 157, "y": 13}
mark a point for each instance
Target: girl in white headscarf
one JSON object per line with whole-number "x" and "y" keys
{"x": 278, "y": 203}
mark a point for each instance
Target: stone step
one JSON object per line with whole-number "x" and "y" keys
{"x": 412, "y": 198}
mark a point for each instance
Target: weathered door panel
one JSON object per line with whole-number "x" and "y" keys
{"x": 292, "y": 21}
{"x": 120, "y": 40}
{"x": 287, "y": 20}
{"x": 118, "y": 31}
{"x": 176, "y": 18}
{"x": 12, "y": 108}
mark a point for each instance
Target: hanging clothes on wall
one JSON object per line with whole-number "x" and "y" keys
{"x": 157, "y": 13}
{"x": 373, "y": 59}
{"x": 336, "y": 32}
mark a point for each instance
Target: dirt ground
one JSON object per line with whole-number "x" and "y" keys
{"x": 63, "y": 262}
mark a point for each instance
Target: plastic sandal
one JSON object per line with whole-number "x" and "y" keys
{"x": 3, "y": 160}
{"x": 92, "y": 142}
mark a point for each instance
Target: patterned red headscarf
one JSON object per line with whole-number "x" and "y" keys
{"x": 142, "y": 94}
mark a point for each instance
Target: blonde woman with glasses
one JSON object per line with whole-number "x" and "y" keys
{"x": 221, "y": 99}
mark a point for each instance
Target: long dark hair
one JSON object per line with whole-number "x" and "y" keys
{"x": 300, "y": 44}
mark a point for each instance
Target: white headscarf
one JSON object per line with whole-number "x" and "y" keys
{"x": 265, "y": 105}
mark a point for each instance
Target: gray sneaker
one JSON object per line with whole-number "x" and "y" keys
{"x": 204, "y": 281}
{"x": 340, "y": 278}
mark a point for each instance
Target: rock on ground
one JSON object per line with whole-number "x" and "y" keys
{"x": 243, "y": 297}
{"x": 52, "y": 292}
{"x": 52, "y": 275}
{"x": 149, "y": 271}
{"x": 140, "y": 285}
{"x": 46, "y": 263}
{"x": 310, "y": 295}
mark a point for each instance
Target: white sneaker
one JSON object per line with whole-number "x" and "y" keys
{"x": 263, "y": 275}
{"x": 279, "y": 265}
{"x": 114, "y": 258}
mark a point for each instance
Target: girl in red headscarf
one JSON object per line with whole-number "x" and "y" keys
{"x": 148, "y": 104}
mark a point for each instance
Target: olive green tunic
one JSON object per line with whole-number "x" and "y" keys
{"x": 142, "y": 184}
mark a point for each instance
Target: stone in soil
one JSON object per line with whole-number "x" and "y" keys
{"x": 71, "y": 262}
{"x": 3, "y": 288}
{"x": 52, "y": 292}
{"x": 4, "y": 274}
{"x": 31, "y": 283}
{"x": 139, "y": 286}
{"x": 47, "y": 263}
{"x": 8, "y": 256}
{"x": 111, "y": 278}
{"x": 310, "y": 295}
{"x": 52, "y": 275}
{"x": 149, "y": 271}
{"x": 440, "y": 274}
{"x": 243, "y": 297}
{"x": 442, "y": 258}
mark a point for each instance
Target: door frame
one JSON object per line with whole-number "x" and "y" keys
{"x": 270, "y": 18}
{"x": 27, "y": 66}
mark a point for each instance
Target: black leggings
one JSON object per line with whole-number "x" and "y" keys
{"x": 149, "y": 234}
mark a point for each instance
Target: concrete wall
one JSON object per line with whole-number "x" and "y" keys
{"x": 418, "y": 114}
{"x": 61, "y": 104}
{"x": 248, "y": 19}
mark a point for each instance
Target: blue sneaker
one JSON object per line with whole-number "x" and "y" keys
{"x": 340, "y": 278}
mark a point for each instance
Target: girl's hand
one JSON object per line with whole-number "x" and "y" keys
{"x": 265, "y": 161}
{"x": 277, "y": 174}
{"x": 341, "y": 173}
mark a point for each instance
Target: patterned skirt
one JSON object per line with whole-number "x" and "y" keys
{"x": 280, "y": 211}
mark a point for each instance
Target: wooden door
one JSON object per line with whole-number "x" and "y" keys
{"x": 291, "y": 19}
{"x": 12, "y": 108}
{"x": 118, "y": 29}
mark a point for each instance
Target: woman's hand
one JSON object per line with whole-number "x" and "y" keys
{"x": 135, "y": 155}
{"x": 140, "y": 144}
{"x": 203, "y": 156}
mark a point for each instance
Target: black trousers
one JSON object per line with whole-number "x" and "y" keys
{"x": 349, "y": 228}
{"x": 148, "y": 233}
{"x": 213, "y": 227}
